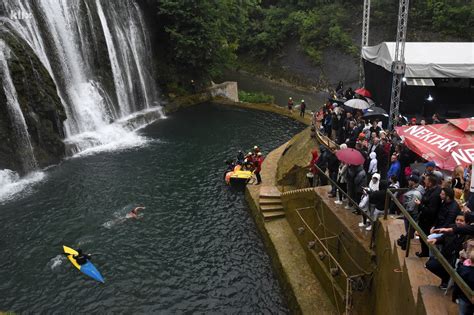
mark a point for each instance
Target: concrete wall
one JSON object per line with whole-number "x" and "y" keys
{"x": 227, "y": 89}
{"x": 351, "y": 254}
{"x": 391, "y": 289}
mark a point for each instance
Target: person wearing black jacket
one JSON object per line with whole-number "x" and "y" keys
{"x": 322, "y": 163}
{"x": 467, "y": 229}
{"x": 428, "y": 209}
{"x": 351, "y": 134}
{"x": 360, "y": 180}
{"x": 467, "y": 274}
{"x": 449, "y": 208}
{"x": 377, "y": 198}
{"x": 333, "y": 168}
{"x": 82, "y": 258}
{"x": 451, "y": 245}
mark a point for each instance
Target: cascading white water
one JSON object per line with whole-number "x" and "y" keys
{"x": 85, "y": 111}
{"x": 20, "y": 128}
{"x": 123, "y": 27}
{"x": 118, "y": 75}
{"x": 89, "y": 108}
{"x": 63, "y": 35}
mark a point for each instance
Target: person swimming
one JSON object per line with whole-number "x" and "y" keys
{"x": 134, "y": 213}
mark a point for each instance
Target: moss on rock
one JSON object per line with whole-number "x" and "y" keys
{"x": 39, "y": 102}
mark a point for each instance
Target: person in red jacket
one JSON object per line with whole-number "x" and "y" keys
{"x": 290, "y": 104}
{"x": 258, "y": 167}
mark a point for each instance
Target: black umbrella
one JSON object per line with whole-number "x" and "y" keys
{"x": 375, "y": 111}
{"x": 338, "y": 102}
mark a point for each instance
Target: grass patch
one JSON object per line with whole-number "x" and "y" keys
{"x": 252, "y": 97}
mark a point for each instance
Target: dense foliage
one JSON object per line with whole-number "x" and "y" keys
{"x": 446, "y": 17}
{"x": 317, "y": 25}
{"x": 197, "y": 38}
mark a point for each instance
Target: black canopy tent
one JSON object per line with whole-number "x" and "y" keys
{"x": 439, "y": 78}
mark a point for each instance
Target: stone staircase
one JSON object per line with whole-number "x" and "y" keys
{"x": 424, "y": 285}
{"x": 270, "y": 203}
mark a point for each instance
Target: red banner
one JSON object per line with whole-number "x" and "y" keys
{"x": 445, "y": 144}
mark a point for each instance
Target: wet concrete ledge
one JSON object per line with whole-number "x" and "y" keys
{"x": 303, "y": 290}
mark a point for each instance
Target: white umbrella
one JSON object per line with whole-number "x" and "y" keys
{"x": 357, "y": 103}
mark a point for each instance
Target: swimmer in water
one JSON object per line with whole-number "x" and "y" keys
{"x": 134, "y": 213}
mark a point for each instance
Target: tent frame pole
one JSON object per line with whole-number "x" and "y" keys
{"x": 365, "y": 40}
{"x": 398, "y": 65}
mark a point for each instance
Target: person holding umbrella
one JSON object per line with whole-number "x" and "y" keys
{"x": 356, "y": 175}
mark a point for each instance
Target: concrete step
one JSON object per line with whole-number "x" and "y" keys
{"x": 270, "y": 201}
{"x": 419, "y": 275}
{"x": 436, "y": 302}
{"x": 270, "y": 197}
{"x": 269, "y": 192}
{"x": 266, "y": 208}
{"x": 273, "y": 215}
{"x": 395, "y": 229}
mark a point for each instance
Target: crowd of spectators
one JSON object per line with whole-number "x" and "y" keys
{"x": 439, "y": 202}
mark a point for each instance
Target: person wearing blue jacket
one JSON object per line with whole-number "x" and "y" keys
{"x": 395, "y": 168}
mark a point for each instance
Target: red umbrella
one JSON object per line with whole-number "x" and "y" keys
{"x": 364, "y": 92}
{"x": 447, "y": 145}
{"x": 350, "y": 156}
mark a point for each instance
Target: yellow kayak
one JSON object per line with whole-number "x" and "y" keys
{"x": 88, "y": 268}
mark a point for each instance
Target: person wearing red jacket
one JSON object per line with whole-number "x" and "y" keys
{"x": 258, "y": 167}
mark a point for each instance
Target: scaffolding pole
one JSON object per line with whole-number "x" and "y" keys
{"x": 398, "y": 65}
{"x": 365, "y": 39}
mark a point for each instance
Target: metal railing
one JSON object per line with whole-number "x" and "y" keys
{"x": 327, "y": 252}
{"x": 360, "y": 211}
{"x": 434, "y": 250}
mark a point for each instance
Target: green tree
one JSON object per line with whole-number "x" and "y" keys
{"x": 200, "y": 36}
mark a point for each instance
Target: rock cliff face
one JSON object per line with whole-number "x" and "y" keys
{"x": 39, "y": 102}
{"x": 73, "y": 73}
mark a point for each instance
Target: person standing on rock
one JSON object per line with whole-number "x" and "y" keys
{"x": 302, "y": 108}
{"x": 290, "y": 104}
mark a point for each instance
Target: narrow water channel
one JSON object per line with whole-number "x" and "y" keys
{"x": 249, "y": 83}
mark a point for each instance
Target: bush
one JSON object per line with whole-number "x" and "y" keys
{"x": 252, "y": 97}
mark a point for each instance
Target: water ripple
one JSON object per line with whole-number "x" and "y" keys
{"x": 194, "y": 250}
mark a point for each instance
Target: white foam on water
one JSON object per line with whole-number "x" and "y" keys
{"x": 56, "y": 261}
{"x": 120, "y": 216}
{"x": 107, "y": 139}
{"x": 12, "y": 186}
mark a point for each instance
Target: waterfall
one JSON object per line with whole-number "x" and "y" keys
{"x": 65, "y": 35}
{"x": 123, "y": 26}
{"x": 20, "y": 129}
